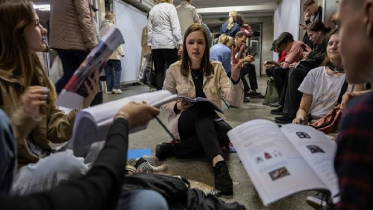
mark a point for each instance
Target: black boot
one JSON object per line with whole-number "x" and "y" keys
{"x": 223, "y": 181}
{"x": 164, "y": 151}
{"x": 286, "y": 118}
{"x": 278, "y": 111}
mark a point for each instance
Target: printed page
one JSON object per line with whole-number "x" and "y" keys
{"x": 92, "y": 124}
{"x": 275, "y": 167}
{"x": 319, "y": 152}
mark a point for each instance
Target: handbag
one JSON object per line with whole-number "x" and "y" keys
{"x": 147, "y": 73}
{"x": 329, "y": 123}
{"x": 271, "y": 95}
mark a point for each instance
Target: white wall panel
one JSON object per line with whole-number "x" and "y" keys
{"x": 286, "y": 19}
{"x": 130, "y": 21}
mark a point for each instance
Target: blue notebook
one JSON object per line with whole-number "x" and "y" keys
{"x": 137, "y": 153}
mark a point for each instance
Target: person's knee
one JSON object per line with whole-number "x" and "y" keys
{"x": 135, "y": 200}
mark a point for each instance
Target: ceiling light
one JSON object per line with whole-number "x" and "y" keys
{"x": 256, "y": 8}
{"x": 42, "y": 7}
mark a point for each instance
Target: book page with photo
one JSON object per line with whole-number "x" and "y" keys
{"x": 319, "y": 152}
{"x": 275, "y": 166}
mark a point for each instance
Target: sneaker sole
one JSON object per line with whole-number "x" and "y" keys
{"x": 315, "y": 203}
{"x": 225, "y": 190}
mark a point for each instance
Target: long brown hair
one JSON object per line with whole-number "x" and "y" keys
{"x": 16, "y": 59}
{"x": 327, "y": 59}
{"x": 185, "y": 60}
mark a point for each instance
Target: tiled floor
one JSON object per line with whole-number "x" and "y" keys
{"x": 199, "y": 169}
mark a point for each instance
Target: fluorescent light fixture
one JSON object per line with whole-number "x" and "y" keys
{"x": 42, "y": 7}
{"x": 254, "y": 8}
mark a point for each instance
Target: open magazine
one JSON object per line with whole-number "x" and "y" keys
{"x": 283, "y": 161}
{"x": 74, "y": 91}
{"x": 93, "y": 124}
{"x": 201, "y": 100}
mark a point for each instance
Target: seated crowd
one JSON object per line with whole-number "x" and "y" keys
{"x": 311, "y": 78}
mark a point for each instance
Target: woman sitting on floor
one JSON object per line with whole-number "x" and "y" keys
{"x": 200, "y": 129}
{"x": 322, "y": 86}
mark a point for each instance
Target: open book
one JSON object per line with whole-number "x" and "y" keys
{"x": 283, "y": 161}
{"x": 93, "y": 124}
{"x": 74, "y": 92}
{"x": 201, "y": 100}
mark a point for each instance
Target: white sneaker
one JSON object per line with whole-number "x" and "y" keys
{"x": 118, "y": 91}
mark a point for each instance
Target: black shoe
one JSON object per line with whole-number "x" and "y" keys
{"x": 252, "y": 94}
{"x": 286, "y": 118}
{"x": 246, "y": 100}
{"x": 278, "y": 111}
{"x": 223, "y": 181}
{"x": 275, "y": 105}
{"x": 164, "y": 151}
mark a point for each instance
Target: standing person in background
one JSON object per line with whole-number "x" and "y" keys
{"x": 208, "y": 32}
{"x": 93, "y": 15}
{"x": 310, "y": 9}
{"x": 72, "y": 35}
{"x": 245, "y": 27}
{"x": 113, "y": 64}
{"x": 164, "y": 37}
{"x": 187, "y": 15}
{"x": 230, "y": 28}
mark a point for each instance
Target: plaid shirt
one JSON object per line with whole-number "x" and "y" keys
{"x": 354, "y": 158}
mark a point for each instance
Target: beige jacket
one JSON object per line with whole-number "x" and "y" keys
{"x": 105, "y": 25}
{"x": 53, "y": 126}
{"x": 187, "y": 16}
{"x": 214, "y": 87}
{"x": 71, "y": 25}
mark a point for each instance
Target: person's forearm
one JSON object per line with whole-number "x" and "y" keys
{"x": 301, "y": 114}
{"x": 98, "y": 189}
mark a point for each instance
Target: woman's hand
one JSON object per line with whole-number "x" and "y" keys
{"x": 183, "y": 105}
{"x": 299, "y": 120}
{"x": 92, "y": 90}
{"x": 306, "y": 54}
{"x": 180, "y": 50}
{"x": 32, "y": 99}
{"x": 137, "y": 114}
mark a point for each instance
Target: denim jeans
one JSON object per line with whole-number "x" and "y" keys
{"x": 142, "y": 200}
{"x": 71, "y": 60}
{"x": 48, "y": 173}
{"x": 113, "y": 70}
{"x": 8, "y": 154}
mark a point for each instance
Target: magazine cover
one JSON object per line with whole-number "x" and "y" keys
{"x": 74, "y": 91}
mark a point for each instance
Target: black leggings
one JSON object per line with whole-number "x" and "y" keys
{"x": 200, "y": 134}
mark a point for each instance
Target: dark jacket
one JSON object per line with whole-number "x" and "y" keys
{"x": 318, "y": 52}
{"x": 232, "y": 32}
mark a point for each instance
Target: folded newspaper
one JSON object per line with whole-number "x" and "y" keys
{"x": 74, "y": 92}
{"x": 93, "y": 124}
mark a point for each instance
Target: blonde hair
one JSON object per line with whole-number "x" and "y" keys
{"x": 232, "y": 19}
{"x": 164, "y": 1}
{"x": 109, "y": 16}
{"x": 226, "y": 40}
